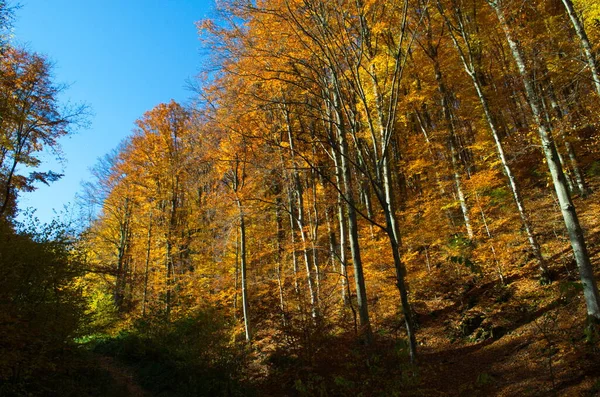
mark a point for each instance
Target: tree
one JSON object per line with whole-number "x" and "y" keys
{"x": 41, "y": 305}
{"x": 569, "y": 213}
{"x": 470, "y": 61}
{"x": 6, "y": 20}
{"x": 585, "y": 43}
{"x": 31, "y": 120}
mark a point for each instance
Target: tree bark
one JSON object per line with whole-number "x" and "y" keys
{"x": 350, "y": 206}
{"x": 301, "y": 222}
{"x": 451, "y": 142}
{"x": 470, "y": 69}
{"x": 576, "y": 237}
{"x": 147, "y": 265}
{"x": 585, "y": 43}
{"x": 243, "y": 271}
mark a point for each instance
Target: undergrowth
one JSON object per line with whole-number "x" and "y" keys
{"x": 188, "y": 357}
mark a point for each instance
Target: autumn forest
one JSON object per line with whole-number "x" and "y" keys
{"x": 364, "y": 198}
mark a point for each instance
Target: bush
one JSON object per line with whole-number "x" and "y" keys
{"x": 40, "y": 304}
{"x": 189, "y": 357}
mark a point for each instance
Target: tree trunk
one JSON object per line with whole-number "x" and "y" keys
{"x": 581, "y": 184}
{"x": 384, "y": 183}
{"x": 585, "y": 43}
{"x": 300, "y": 220}
{"x": 168, "y": 279}
{"x": 280, "y": 235}
{"x": 452, "y": 143}
{"x": 121, "y": 276}
{"x": 590, "y": 289}
{"x": 359, "y": 279}
{"x": 343, "y": 229}
{"x": 147, "y": 265}
{"x": 469, "y": 66}
{"x": 243, "y": 271}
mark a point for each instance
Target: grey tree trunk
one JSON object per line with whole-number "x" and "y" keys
{"x": 382, "y": 132}
{"x": 581, "y": 184}
{"x": 293, "y": 240}
{"x": 359, "y": 279}
{"x": 383, "y": 182}
{"x": 466, "y": 57}
{"x": 168, "y": 279}
{"x": 291, "y": 213}
{"x": 236, "y": 270}
{"x": 452, "y": 142}
{"x": 243, "y": 271}
{"x": 122, "y": 264}
{"x": 576, "y": 237}
{"x": 147, "y": 265}
{"x": 342, "y": 227}
{"x": 279, "y": 268}
{"x": 314, "y": 223}
{"x": 301, "y": 222}
{"x": 395, "y": 242}
{"x": 585, "y": 43}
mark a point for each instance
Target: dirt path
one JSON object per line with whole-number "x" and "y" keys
{"x": 122, "y": 376}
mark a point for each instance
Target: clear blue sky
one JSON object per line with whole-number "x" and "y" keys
{"x": 122, "y": 57}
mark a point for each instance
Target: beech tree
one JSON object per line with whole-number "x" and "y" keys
{"x": 569, "y": 213}
{"x": 458, "y": 29}
{"x": 585, "y": 43}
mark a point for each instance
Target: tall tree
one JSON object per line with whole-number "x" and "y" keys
{"x": 468, "y": 56}
{"x": 31, "y": 120}
{"x": 585, "y": 43}
{"x": 569, "y": 213}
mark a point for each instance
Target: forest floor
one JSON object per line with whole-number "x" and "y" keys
{"x": 517, "y": 339}
{"x": 544, "y": 353}
{"x": 484, "y": 338}
{"x": 122, "y": 376}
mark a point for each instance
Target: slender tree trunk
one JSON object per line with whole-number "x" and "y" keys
{"x": 469, "y": 66}
{"x": 342, "y": 227}
{"x": 301, "y": 222}
{"x": 590, "y": 288}
{"x": 350, "y": 205}
{"x": 452, "y": 143}
{"x": 236, "y": 279}
{"x": 170, "y": 264}
{"x": 243, "y": 269}
{"x": 168, "y": 279}
{"x": 423, "y": 128}
{"x": 280, "y": 235}
{"x": 331, "y": 240}
{"x": 147, "y": 265}
{"x": 384, "y": 181}
{"x": 579, "y": 179}
{"x": 395, "y": 242}
{"x": 314, "y": 227}
{"x": 121, "y": 277}
{"x": 585, "y": 43}
{"x": 305, "y": 252}
{"x": 292, "y": 216}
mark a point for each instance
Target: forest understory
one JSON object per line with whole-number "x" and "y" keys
{"x": 482, "y": 337}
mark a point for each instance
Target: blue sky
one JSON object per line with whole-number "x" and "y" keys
{"x": 122, "y": 57}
